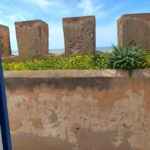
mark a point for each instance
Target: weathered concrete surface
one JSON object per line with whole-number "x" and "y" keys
{"x": 32, "y": 38}
{"x": 79, "y": 35}
{"x": 135, "y": 29}
{"x": 90, "y": 112}
{"x": 5, "y": 49}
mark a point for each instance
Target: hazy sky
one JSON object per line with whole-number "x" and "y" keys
{"x": 52, "y": 11}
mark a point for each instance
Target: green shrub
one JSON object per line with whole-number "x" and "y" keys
{"x": 121, "y": 58}
{"x": 127, "y": 58}
{"x": 99, "y": 61}
{"x": 147, "y": 59}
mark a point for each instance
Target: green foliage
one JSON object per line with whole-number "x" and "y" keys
{"x": 127, "y": 58}
{"x": 121, "y": 58}
{"x": 147, "y": 59}
{"x": 1, "y": 44}
{"x": 98, "y": 61}
{"x": 101, "y": 61}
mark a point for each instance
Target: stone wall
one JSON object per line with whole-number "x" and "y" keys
{"x": 79, "y": 110}
{"x": 79, "y": 35}
{"x": 134, "y": 29}
{"x": 32, "y": 38}
{"x": 5, "y": 41}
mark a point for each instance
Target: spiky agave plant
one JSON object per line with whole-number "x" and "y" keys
{"x": 127, "y": 58}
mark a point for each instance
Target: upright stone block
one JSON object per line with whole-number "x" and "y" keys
{"x": 32, "y": 38}
{"x": 79, "y": 35}
{"x": 5, "y": 49}
{"x": 134, "y": 29}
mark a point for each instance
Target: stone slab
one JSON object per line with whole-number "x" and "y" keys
{"x": 32, "y": 38}
{"x": 134, "y": 29}
{"x": 79, "y": 35}
{"x": 5, "y": 41}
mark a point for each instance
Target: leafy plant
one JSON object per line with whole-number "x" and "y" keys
{"x": 147, "y": 59}
{"x": 127, "y": 58}
{"x": 99, "y": 61}
{"x": 121, "y": 58}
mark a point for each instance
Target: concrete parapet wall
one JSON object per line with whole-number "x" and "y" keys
{"x": 79, "y": 110}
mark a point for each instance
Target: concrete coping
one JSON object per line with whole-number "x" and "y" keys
{"x": 76, "y": 74}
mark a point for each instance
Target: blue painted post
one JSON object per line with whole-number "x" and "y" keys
{"x": 4, "y": 122}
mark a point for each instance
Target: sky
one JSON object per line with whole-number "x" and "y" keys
{"x": 52, "y": 11}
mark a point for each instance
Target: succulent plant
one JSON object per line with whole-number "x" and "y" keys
{"x": 127, "y": 58}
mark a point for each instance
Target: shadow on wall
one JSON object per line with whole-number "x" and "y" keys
{"x": 87, "y": 140}
{"x": 30, "y": 142}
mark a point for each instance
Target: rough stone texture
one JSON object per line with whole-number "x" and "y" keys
{"x": 79, "y": 35}
{"x": 5, "y": 41}
{"x": 79, "y": 113}
{"x": 32, "y": 38}
{"x": 135, "y": 29}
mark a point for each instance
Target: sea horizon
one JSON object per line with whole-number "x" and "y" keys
{"x": 62, "y": 50}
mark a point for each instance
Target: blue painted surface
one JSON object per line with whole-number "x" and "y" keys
{"x": 4, "y": 122}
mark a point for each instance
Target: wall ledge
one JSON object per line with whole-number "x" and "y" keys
{"x": 76, "y": 74}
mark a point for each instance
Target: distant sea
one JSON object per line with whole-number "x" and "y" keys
{"x": 60, "y": 51}
{"x": 99, "y": 49}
